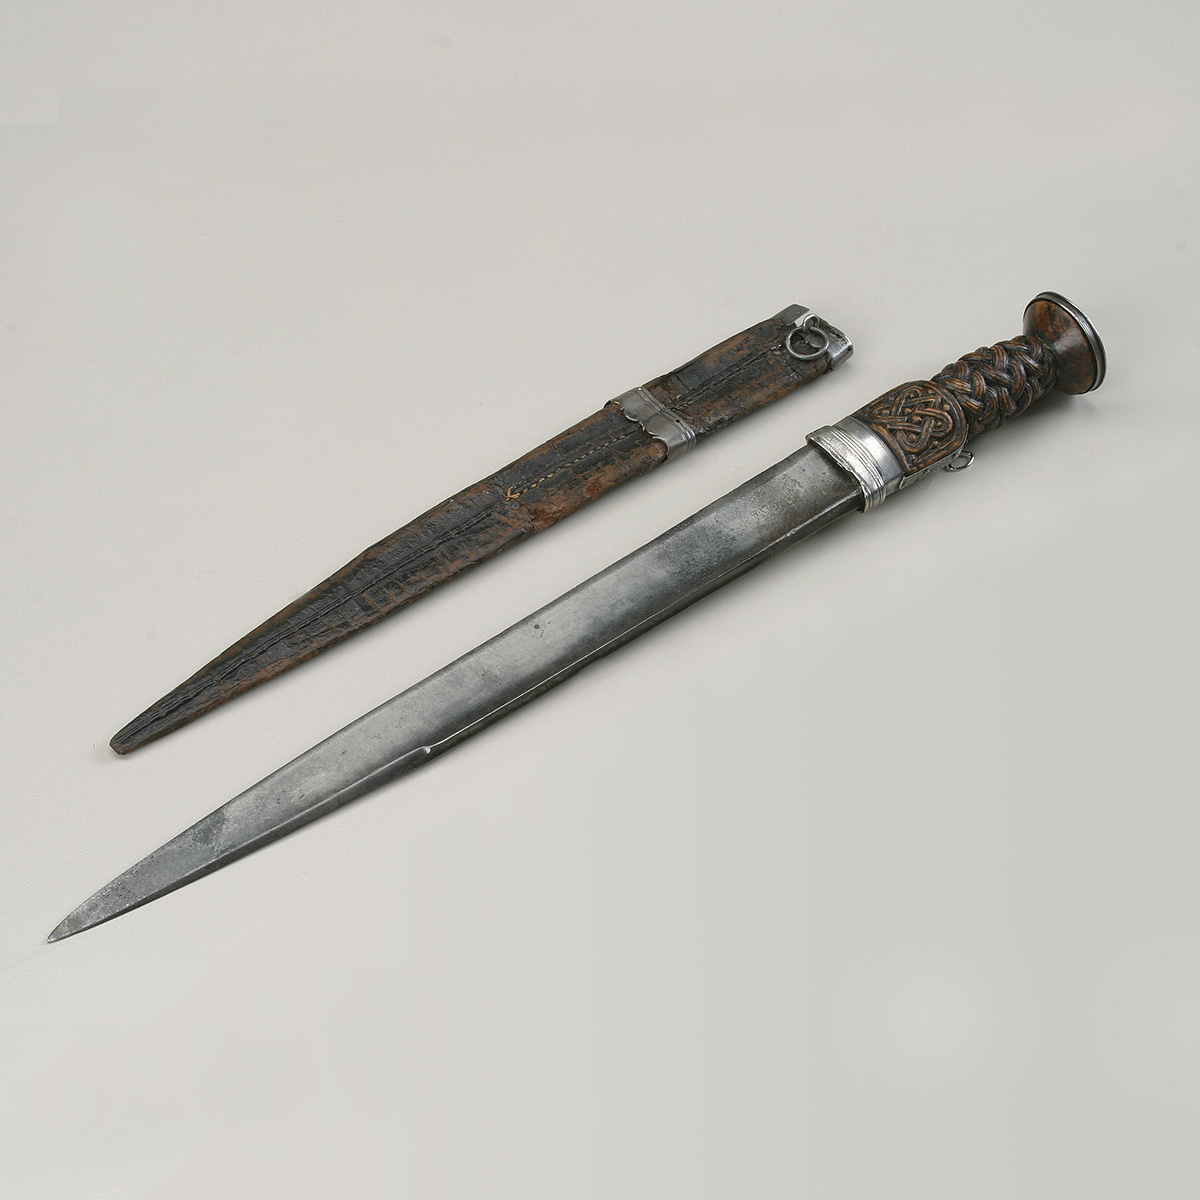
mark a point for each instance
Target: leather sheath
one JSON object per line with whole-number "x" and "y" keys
{"x": 735, "y": 378}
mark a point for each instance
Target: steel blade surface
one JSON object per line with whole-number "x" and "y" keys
{"x": 782, "y": 505}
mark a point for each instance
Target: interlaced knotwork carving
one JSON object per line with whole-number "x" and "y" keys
{"x": 928, "y": 422}
{"x": 998, "y": 382}
{"x": 920, "y": 421}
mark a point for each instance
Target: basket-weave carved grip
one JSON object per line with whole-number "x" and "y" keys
{"x": 928, "y": 422}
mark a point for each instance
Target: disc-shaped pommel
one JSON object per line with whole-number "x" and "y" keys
{"x": 1077, "y": 349}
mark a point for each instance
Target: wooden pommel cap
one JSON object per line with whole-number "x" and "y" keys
{"x": 1073, "y": 340}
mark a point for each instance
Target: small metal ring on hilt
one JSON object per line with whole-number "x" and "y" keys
{"x": 810, "y": 327}
{"x": 960, "y": 462}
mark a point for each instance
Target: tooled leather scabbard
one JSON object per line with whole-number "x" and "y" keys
{"x": 628, "y": 437}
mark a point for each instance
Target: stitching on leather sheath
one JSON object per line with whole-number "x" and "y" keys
{"x": 377, "y": 573}
{"x": 384, "y": 569}
{"x": 574, "y": 462}
{"x": 718, "y": 380}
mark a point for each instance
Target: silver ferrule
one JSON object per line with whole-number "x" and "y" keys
{"x": 863, "y": 454}
{"x": 657, "y": 420}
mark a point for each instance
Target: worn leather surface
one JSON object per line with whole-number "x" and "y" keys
{"x": 737, "y": 377}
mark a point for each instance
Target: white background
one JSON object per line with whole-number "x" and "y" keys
{"x": 872, "y": 876}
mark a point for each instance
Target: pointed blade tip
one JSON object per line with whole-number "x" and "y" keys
{"x": 86, "y": 916}
{"x": 95, "y": 910}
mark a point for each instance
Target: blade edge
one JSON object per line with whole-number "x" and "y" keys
{"x": 782, "y": 505}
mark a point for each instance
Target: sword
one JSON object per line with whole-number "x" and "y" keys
{"x": 854, "y": 464}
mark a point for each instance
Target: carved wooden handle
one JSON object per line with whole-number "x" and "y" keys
{"x": 927, "y": 422}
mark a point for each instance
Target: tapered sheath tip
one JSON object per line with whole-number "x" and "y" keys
{"x": 135, "y": 734}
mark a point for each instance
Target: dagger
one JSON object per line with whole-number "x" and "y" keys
{"x": 855, "y": 464}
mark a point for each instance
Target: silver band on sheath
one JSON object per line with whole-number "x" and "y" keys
{"x": 861, "y": 452}
{"x": 657, "y": 420}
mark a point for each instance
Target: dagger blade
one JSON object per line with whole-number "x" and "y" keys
{"x": 784, "y": 504}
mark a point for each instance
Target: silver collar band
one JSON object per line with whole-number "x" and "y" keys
{"x": 657, "y": 420}
{"x": 862, "y": 453}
